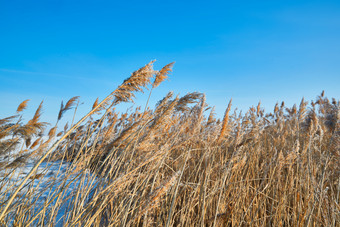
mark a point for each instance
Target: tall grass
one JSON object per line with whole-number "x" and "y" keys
{"x": 174, "y": 165}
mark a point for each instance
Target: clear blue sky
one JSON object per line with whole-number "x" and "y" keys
{"x": 248, "y": 50}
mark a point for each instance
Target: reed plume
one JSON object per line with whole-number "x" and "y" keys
{"x": 192, "y": 97}
{"x": 171, "y": 165}
{"x": 22, "y": 106}
{"x": 69, "y": 105}
{"x": 225, "y": 122}
{"x": 136, "y": 82}
{"x": 161, "y": 75}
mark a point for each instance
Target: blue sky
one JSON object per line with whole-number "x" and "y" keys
{"x": 250, "y": 51}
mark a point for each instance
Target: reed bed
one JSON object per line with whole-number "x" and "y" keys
{"x": 172, "y": 165}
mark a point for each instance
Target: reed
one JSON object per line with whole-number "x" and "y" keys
{"x": 173, "y": 165}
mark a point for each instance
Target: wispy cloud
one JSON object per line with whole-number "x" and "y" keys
{"x": 56, "y": 75}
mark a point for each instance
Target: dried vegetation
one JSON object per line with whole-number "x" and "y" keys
{"x": 175, "y": 165}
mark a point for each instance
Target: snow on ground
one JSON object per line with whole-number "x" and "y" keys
{"x": 52, "y": 180}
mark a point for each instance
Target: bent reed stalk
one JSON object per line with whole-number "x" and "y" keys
{"x": 173, "y": 165}
{"x": 137, "y": 81}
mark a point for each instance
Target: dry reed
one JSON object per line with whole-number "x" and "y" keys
{"x": 175, "y": 165}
